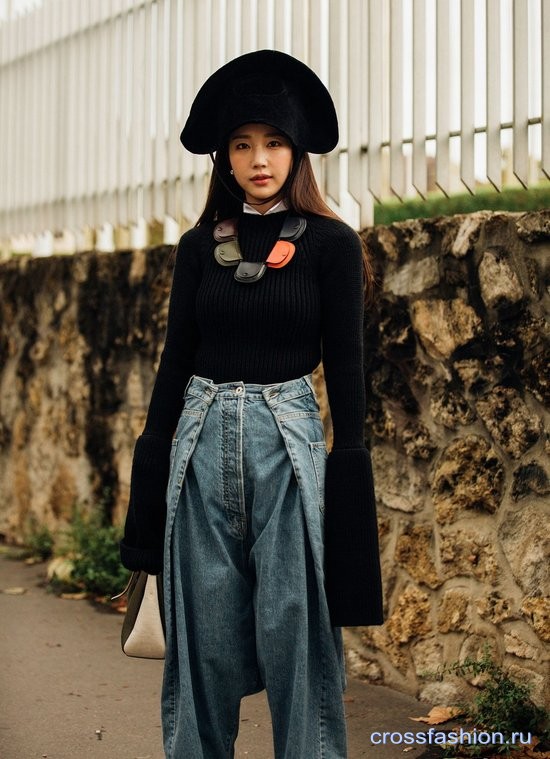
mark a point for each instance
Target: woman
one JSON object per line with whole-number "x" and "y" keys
{"x": 267, "y": 546}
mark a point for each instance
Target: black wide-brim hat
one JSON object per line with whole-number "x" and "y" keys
{"x": 267, "y": 87}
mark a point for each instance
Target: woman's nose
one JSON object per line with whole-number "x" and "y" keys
{"x": 259, "y": 157}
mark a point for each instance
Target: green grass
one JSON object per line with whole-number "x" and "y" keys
{"x": 512, "y": 199}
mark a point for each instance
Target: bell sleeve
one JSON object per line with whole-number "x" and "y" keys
{"x": 352, "y": 563}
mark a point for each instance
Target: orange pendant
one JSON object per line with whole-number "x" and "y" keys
{"x": 282, "y": 252}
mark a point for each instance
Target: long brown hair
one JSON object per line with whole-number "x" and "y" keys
{"x": 225, "y": 199}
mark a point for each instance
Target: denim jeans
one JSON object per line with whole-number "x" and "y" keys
{"x": 245, "y": 603}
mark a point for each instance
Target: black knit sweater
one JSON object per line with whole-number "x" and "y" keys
{"x": 266, "y": 332}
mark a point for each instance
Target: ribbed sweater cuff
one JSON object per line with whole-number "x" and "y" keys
{"x": 144, "y": 559}
{"x": 142, "y": 545}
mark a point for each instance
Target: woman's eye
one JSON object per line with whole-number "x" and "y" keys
{"x": 274, "y": 144}
{"x": 241, "y": 146}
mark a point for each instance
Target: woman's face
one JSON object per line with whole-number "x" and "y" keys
{"x": 261, "y": 159}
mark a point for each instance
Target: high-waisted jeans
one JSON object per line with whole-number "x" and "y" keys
{"x": 245, "y": 604}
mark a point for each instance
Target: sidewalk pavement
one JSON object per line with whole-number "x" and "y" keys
{"x": 67, "y": 691}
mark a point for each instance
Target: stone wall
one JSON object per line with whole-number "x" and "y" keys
{"x": 458, "y": 370}
{"x": 79, "y": 340}
{"x": 457, "y": 356}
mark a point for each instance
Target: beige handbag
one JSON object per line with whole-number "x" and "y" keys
{"x": 143, "y": 633}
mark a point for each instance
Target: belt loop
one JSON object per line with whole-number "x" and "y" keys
{"x": 271, "y": 393}
{"x": 210, "y": 391}
{"x": 191, "y": 378}
{"x": 201, "y": 387}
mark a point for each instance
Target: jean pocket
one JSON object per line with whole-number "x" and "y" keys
{"x": 189, "y": 427}
{"x": 318, "y": 453}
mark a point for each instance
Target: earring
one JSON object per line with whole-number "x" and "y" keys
{"x": 231, "y": 171}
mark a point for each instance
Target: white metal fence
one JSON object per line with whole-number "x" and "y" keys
{"x": 430, "y": 93}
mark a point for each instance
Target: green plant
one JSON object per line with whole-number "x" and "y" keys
{"x": 39, "y": 540}
{"x": 502, "y": 704}
{"x": 92, "y": 546}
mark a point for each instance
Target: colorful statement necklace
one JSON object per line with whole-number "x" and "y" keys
{"x": 228, "y": 252}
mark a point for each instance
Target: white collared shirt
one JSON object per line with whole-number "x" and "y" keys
{"x": 280, "y": 206}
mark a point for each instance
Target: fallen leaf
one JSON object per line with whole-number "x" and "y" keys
{"x": 74, "y": 596}
{"x": 519, "y": 754}
{"x": 349, "y": 700}
{"x": 14, "y": 591}
{"x": 439, "y": 714}
{"x": 409, "y": 748}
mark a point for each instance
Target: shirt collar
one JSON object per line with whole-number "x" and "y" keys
{"x": 280, "y": 206}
